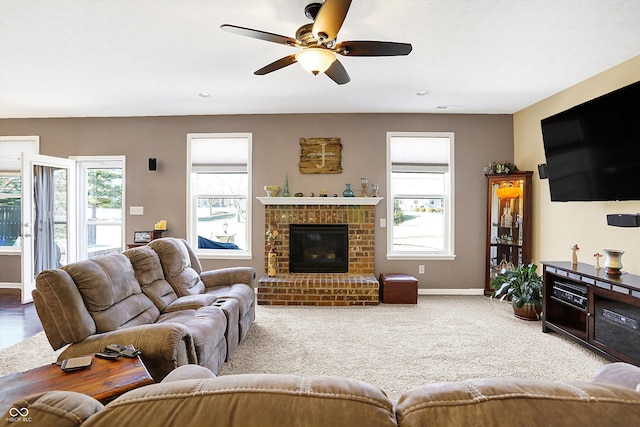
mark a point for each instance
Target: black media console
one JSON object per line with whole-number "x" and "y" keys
{"x": 599, "y": 311}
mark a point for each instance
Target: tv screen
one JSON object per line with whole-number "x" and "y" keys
{"x": 593, "y": 149}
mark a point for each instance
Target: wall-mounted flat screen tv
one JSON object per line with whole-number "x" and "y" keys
{"x": 593, "y": 149}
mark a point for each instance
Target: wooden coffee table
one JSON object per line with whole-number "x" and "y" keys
{"x": 104, "y": 380}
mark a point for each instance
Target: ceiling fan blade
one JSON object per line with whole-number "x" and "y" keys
{"x": 276, "y": 65}
{"x": 261, "y": 35}
{"x": 373, "y": 48}
{"x": 337, "y": 73}
{"x": 329, "y": 19}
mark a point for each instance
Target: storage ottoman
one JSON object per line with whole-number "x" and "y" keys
{"x": 398, "y": 288}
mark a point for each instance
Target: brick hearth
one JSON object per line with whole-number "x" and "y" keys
{"x": 357, "y": 287}
{"x": 317, "y": 289}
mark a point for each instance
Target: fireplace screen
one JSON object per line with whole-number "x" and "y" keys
{"x": 317, "y": 248}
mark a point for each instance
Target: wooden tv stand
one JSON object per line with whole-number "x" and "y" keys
{"x": 597, "y": 310}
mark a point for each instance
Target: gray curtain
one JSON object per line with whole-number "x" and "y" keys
{"x": 46, "y": 252}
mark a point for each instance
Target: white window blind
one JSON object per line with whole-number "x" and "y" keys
{"x": 219, "y": 154}
{"x": 411, "y": 154}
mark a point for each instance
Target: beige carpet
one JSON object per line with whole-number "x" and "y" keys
{"x": 443, "y": 338}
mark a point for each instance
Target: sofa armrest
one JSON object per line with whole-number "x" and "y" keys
{"x": 163, "y": 346}
{"x": 55, "y": 408}
{"x": 188, "y": 372}
{"x": 620, "y": 374}
{"x": 228, "y": 276}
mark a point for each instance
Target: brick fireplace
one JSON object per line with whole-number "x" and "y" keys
{"x": 356, "y": 287}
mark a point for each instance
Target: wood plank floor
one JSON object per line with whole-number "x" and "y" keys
{"x": 17, "y": 321}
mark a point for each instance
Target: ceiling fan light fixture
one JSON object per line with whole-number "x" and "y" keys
{"x": 315, "y": 60}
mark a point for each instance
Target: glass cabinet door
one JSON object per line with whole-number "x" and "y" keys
{"x": 508, "y": 223}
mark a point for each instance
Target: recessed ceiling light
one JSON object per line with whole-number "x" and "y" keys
{"x": 446, "y": 107}
{"x": 204, "y": 95}
{"x": 423, "y": 92}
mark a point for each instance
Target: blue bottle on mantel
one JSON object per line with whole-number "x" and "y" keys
{"x": 347, "y": 192}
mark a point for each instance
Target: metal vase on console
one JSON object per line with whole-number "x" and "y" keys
{"x": 612, "y": 262}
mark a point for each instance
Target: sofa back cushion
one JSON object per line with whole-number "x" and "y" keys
{"x": 111, "y": 292}
{"x": 253, "y": 400}
{"x": 148, "y": 271}
{"x": 177, "y": 266}
{"x": 522, "y": 402}
{"x": 62, "y": 312}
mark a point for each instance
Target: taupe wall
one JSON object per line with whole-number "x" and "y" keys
{"x": 478, "y": 140}
{"x": 557, "y": 225}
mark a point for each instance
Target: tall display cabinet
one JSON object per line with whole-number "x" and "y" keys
{"x": 508, "y": 223}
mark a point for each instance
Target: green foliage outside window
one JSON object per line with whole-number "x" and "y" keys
{"x": 104, "y": 189}
{"x": 398, "y": 215}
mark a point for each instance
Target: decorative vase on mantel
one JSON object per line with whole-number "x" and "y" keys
{"x": 347, "y": 192}
{"x": 272, "y": 262}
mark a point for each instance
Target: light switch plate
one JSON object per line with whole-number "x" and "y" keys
{"x": 136, "y": 210}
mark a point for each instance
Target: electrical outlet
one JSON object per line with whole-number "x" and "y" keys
{"x": 136, "y": 210}
{"x": 421, "y": 269}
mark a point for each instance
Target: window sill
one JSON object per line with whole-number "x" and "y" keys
{"x": 222, "y": 254}
{"x": 11, "y": 250}
{"x": 417, "y": 257}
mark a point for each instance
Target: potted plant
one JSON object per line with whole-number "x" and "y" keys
{"x": 523, "y": 286}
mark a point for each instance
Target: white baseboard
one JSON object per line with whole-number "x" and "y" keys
{"x": 7, "y": 285}
{"x": 474, "y": 291}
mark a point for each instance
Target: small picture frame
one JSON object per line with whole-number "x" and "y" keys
{"x": 142, "y": 236}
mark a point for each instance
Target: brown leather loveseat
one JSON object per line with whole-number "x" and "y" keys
{"x": 191, "y": 396}
{"x": 156, "y": 298}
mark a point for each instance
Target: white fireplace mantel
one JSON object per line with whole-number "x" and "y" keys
{"x": 320, "y": 200}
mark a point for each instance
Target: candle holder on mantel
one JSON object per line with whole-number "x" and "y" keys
{"x": 365, "y": 183}
{"x": 375, "y": 188}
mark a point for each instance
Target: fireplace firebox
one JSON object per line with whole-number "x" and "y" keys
{"x": 318, "y": 248}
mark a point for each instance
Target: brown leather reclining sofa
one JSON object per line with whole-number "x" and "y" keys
{"x": 191, "y": 396}
{"x": 154, "y": 297}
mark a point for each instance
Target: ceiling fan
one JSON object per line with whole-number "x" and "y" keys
{"x": 318, "y": 42}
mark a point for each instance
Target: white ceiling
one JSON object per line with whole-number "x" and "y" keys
{"x": 74, "y": 58}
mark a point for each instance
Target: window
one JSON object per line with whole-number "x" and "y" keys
{"x": 420, "y": 194}
{"x": 11, "y": 149}
{"x": 219, "y": 183}
{"x": 101, "y": 201}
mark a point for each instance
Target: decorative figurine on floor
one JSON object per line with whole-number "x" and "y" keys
{"x": 272, "y": 255}
{"x": 574, "y": 254}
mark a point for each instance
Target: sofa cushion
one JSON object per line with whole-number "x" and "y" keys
{"x": 207, "y": 326}
{"x": 148, "y": 270}
{"x": 509, "y": 402}
{"x": 111, "y": 292}
{"x": 177, "y": 267}
{"x": 253, "y": 400}
{"x": 191, "y": 302}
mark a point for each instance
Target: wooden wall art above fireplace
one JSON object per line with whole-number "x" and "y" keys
{"x": 320, "y": 155}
